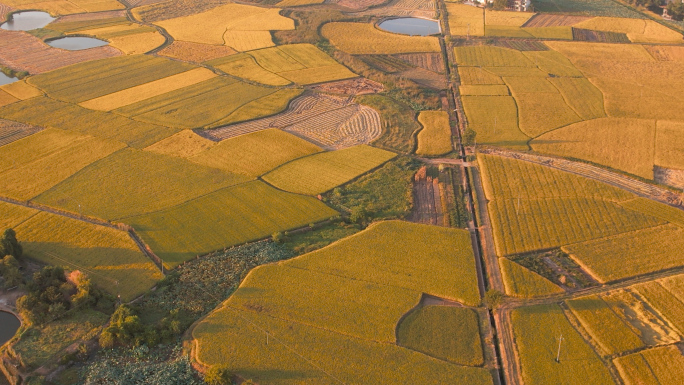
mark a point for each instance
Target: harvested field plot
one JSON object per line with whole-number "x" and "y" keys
{"x": 133, "y": 182}
{"x": 64, "y": 7}
{"x": 362, "y": 287}
{"x": 425, "y": 78}
{"x": 428, "y": 205}
{"x": 579, "y": 34}
{"x": 358, "y": 4}
{"x": 662, "y": 365}
{"x": 329, "y": 122}
{"x": 622, "y": 144}
{"x": 256, "y": 153}
{"x": 495, "y": 126}
{"x": 536, "y": 330}
{"x": 429, "y": 61}
{"x": 319, "y": 173}
{"x": 665, "y": 52}
{"x": 611, "y": 333}
{"x": 522, "y": 282}
{"x": 195, "y": 52}
{"x": 64, "y": 153}
{"x": 445, "y": 332}
{"x": 415, "y": 8}
{"x": 21, "y": 51}
{"x": 359, "y": 86}
{"x": 435, "y": 137}
{"x": 640, "y": 253}
{"x": 530, "y": 213}
{"x": 465, "y": 20}
{"x": 225, "y": 218}
{"x": 157, "y": 10}
{"x": 638, "y": 31}
{"x": 229, "y": 22}
{"x": 11, "y": 131}
{"x": 360, "y": 38}
{"x": 398, "y": 123}
{"x": 46, "y": 112}
{"x": 551, "y": 20}
{"x": 110, "y": 257}
{"x": 386, "y": 63}
{"x": 489, "y": 56}
{"x": 606, "y": 8}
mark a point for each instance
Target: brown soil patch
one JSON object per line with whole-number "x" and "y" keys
{"x": 416, "y": 8}
{"x": 669, "y": 176}
{"x": 4, "y": 10}
{"x": 429, "y": 61}
{"x": 11, "y": 131}
{"x": 195, "y": 52}
{"x": 425, "y": 78}
{"x": 546, "y": 20}
{"x": 327, "y": 121}
{"x": 358, "y": 86}
{"x": 23, "y": 52}
{"x": 357, "y": 5}
{"x": 175, "y": 8}
{"x": 427, "y": 201}
{"x": 91, "y": 16}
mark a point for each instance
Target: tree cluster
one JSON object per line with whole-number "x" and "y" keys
{"x": 676, "y": 9}
{"x": 10, "y": 254}
{"x": 126, "y": 328}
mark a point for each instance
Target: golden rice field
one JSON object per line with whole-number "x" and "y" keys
{"x": 265, "y": 106}
{"x": 6, "y": 98}
{"x": 490, "y": 56}
{"x": 362, "y": 38}
{"x": 637, "y": 30}
{"x": 133, "y": 182}
{"x": 148, "y": 90}
{"x": 21, "y": 90}
{"x": 516, "y": 71}
{"x": 484, "y": 90}
{"x": 656, "y": 209}
{"x": 582, "y": 96}
{"x": 318, "y": 173}
{"x": 49, "y": 157}
{"x": 256, "y": 153}
{"x": 110, "y": 257}
{"x": 351, "y": 313}
{"x": 661, "y": 299}
{"x": 669, "y": 148}
{"x": 183, "y": 144}
{"x": 674, "y": 285}
{"x": 553, "y": 63}
{"x": 562, "y": 33}
{"x": 224, "y": 218}
{"x": 245, "y": 66}
{"x": 661, "y": 365}
{"x": 640, "y": 252}
{"x": 537, "y": 329}
{"x": 195, "y": 52}
{"x": 495, "y": 119}
{"x": 612, "y": 334}
{"x": 242, "y": 26}
{"x": 528, "y": 212}
{"x": 512, "y": 19}
{"x": 14, "y": 215}
{"x": 435, "y": 137}
{"x": 522, "y": 282}
{"x": 465, "y": 20}
{"x": 542, "y": 112}
{"x": 66, "y": 7}
{"x": 477, "y": 76}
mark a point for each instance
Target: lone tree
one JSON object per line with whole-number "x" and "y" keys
{"x": 9, "y": 245}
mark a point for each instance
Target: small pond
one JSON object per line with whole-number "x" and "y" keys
{"x": 76, "y": 43}
{"x": 4, "y": 79}
{"x": 26, "y": 21}
{"x": 8, "y": 326}
{"x": 411, "y": 26}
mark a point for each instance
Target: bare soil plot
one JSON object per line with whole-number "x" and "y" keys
{"x": 21, "y": 51}
{"x": 579, "y": 34}
{"x": 195, "y": 52}
{"x": 358, "y": 86}
{"x": 420, "y": 8}
{"x": 11, "y": 131}
{"x": 327, "y": 121}
{"x": 427, "y": 200}
{"x": 425, "y": 78}
{"x": 429, "y": 61}
{"x": 357, "y": 5}
{"x": 152, "y": 10}
{"x": 551, "y": 20}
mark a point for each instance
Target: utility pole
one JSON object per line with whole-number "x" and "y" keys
{"x": 560, "y": 340}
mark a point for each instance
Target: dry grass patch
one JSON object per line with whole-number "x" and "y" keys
{"x": 362, "y": 38}
{"x": 435, "y": 137}
{"x": 465, "y": 19}
{"x": 183, "y": 144}
{"x": 319, "y": 173}
{"x": 148, "y": 90}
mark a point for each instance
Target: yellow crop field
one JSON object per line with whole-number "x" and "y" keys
{"x": 262, "y": 107}
{"x": 110, "y": 257}
{"x": 184, "y": 144}
{"x": 148, "y": 90}
{"x": 513, "y": 19}
{"x": 46, "y": 112}
{"x": 522, "y": 282}
{"x": 139, "y": 43}
{"x": 669, "y": 148}
{"x": 319, "y": 173}
{"x": 435, "y": 137}
{"x": 631, "y": 253}
{"x": 489, "y": 56}
{"x": 553, "y": 63}
{"x": 542, "y": 112}
{"x": 661, "y": 365}
{"x": 315, "y": 309}
{"x": 622, "y": 144}
{"x": 21, "y": 90}
{"x": 537, "y": 329}
{"x": 132, "y": 182}
{"x": 242, "y": 41}
{"x": 111, "y": 30}
{"x": 244, "y": 66}
{"x": 484, "y": 90}
{"x": 362, "y": 38}
{"x": 506, "y": 31}
{"x": 465, "y": 20}
{"x": 611, "y": 333}
{"x": 523, "y": 85}
{"x": 195, "y": 52}
{"x": 637, "y": 30}
{"x": 224, "y": 218}
{"x": 318, "y": 74}
{"x": 50, "y": 167}
{"x": 575, "y": 51}
{"x": 582, "y": 96}
{"x": 256, "y": 153}
{"x": 64, "y": 7}
{"x": 656, "y": 209}
{"x": 526, "y": 72}
{"x": 210, "y": 26}
{"x": 14, "y": 215}
{"x": 674, "y": 285}
{"x": 530, "y": 213}
{"x": 495, "y": 119}
{"x": 477, "y": 76}
{"x": 664, "y": 302}
{"x": 6, "y": 98}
